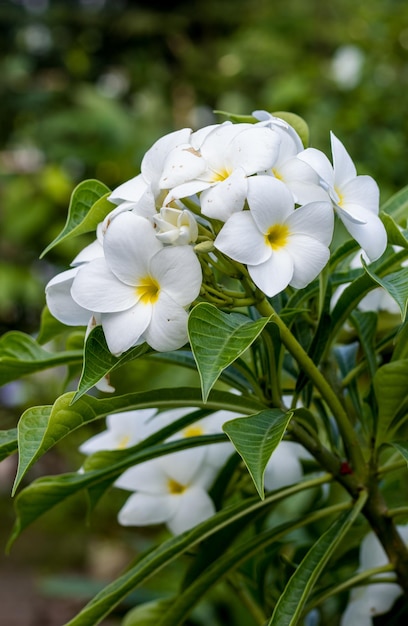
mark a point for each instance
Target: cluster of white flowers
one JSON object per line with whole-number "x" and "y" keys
{"x": 273, "y": 198}
{"x": 173, "y": 489}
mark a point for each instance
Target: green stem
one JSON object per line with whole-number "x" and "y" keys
{"x": 346, "y": 429}
{"x": 247, "y": 600}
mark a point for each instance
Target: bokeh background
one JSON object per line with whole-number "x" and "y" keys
{"x": 86, "y": 86}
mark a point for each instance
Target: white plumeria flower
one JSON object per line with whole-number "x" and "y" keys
{"x": 281, "y": 246}
{"x": 123, "y": 430}
{"x": 375, "y": 599}
{"x": 217, "y": 163}
{"x": 355, "y": 198}
{"x": 142, "y": 193}
{"x": 284, "y": 467}
{"x": 175, "y": 226}
{"x": 167, "y": 490}
{"x": 140, "y": 288}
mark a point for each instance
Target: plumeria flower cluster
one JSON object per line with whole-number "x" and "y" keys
{"x": 174, "y": 489}
{"x": 246, "y": 192}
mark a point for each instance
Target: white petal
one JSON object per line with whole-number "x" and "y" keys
{"x": 178, "y": 272}
{"x": 371, "y": 236}
{"x": 344, "y": 168}
{"x": 102, "y": 441}
{"x": 130, "y": 242}
{"x": 124, "y": 330}
{"x": 182, "y": 165}
{"x": 153, "y": 160}
{"x": 97, "y": 289}
{"x": 255, "y": 149}
{"x": 309, "y": 257}
{"x": 131, "y": 190}
{"x": 186, "y": 190}
{"x": 283, "y": 468}
{"x": 363, "y": 191}
{"x": 275, "y": 274}
{"x": 241, "y": 240}
{"x": 147, "y": 477}
{"x": 270, "y": 201}
{"x": 142, "y": 509}
{"x": 194, "y": 506}
{"x": 93, "y": 251}
{"x": 168, "y": 326}
{"x": 60, "y": 302}
{"x": 320, "y": 163}
{"x": 226, "y": 197}
{"x": 315, "y": 219}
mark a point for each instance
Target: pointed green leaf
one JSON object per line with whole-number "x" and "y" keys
{"x": 402, "y": 447}
{"x": 294, "y": 597}
{"x": 365, "y": 324}
{"x": 394, "y": 235}
{"x": 99, "y": 361}
{"x": 147, "y": 614}
{"x": 390, "y": 387}
{"x": 235, "y": 117}
{"x": 20, "y": 354}
{"x": 8, "y": 442}
{"x": 40, "y": 428}
{"x": 217, "y": 339}
{"x": 396, "y": 284}
{"x": 401, "y": 343}
{"x": 255, "y": 438}
{"x": 397, "y": 205}
{"x": 88, "y": 206}
{"x": 297, "y": 122}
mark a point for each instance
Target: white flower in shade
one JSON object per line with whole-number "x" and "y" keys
{"x": 216, "y": 163}
{"x": 140, "y": 288}
{"x": 167, "y": 490}
{"x": 123, "y": 430}
{"x": 175, "y": 226}
{"x": 142, "y": 193}
{"x": 355, "y": 198}
{"x": 284, "y": 467}
{"x": 280, "y": 245}
{"x": 377, "y": 598}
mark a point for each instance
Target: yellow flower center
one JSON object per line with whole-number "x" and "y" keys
{"x": 277, "y": 174}
{"x": 193, "y": 431}
{"x": 123, "y": 442}
{"x": 217, "y": 177}
{"x": 339, "y": 196}
{"x": 277, "y": 236}
{"x": 175, "y": 487}
{"x": 148, "y": 290}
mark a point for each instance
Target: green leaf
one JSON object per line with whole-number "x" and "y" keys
{"x": 402, "y": 447}
{"x": 88, "y": 206}
{"x": 99, "y": 361}
{"x": 394, "y": 235}
{"x": 365, "y": 324}
{"x": 401, "y": 343}
{"x": 20, "y": 354}
{"x": 147, "y": 614}
{"x": 40, "y": 428}
{"x": 217, "y": 339}
{"x": 255, "y": 438}
{"x": 397, "y": 205}
{"x": 235, "y": 117}
{"x": 297, "y": 122}
{"x": 396, "y": 284}
{"x": 8, "y": 443}
{"x": 390, "y": 388}
{"x": 168, "y": 551}
{"x": 292, "y": 601}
